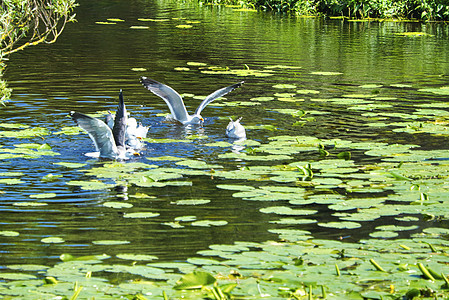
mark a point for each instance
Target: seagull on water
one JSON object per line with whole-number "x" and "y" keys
{"x": 235, "y": 130}
{"x": 109, "y": 142}
{"x": 176, "y": 104}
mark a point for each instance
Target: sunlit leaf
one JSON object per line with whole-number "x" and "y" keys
{"x": 195, "y": 280}
{"x": 52, "y": 240}
{"x": 141, "y": 215}
{"x": 113, "y": 204}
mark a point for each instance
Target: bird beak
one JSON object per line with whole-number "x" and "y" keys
{"x": 202, "y": 120}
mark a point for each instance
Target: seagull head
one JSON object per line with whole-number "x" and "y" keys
{"x": 197, "y": 119}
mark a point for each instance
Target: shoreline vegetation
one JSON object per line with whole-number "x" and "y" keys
{"x": 425, "y": 10}
{"x": 25, "y": 23}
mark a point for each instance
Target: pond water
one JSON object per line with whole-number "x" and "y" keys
{"x": 367, "y": 88}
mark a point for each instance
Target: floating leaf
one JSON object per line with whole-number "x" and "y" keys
{"x": 185, "y": 218}
{"x": 17, "y": 276}
{"x": 196, "y": 64}
{"x": 140, "y": 257}
{"x": 70, "y": 165}
{"x": 191, "y": 202}
{"x": 139, "y": 69}
{"x": 51, "y": 178}
{"x": 43, "y": 195}
{"x": 153, "y": 20}
{"x": 326, "y": 73}
{"x": 29, "y": 204}
{"x": 52, "y": 240}
{"x": 115, "y": 20}
{"x": 284, "y": 210}
{"x": 139, "y": 27}
{"x": 10, "y": 181}
{"x": 9, "y": 233}
{"x": 184, "y": 26}
{"x": 90, "y": 184}
{"x": 105, "y": 23}
{"x": 181, "y": 69}
{"x": 340, "y": 225}
{"x": 208, "y": 223}
{"x": 284, "y": 86}
{"x": 195, "y": 280}
{"x": 113, "y": 204}
{"x": 304, "y": 91}
{"x": 141, "y": 215}
{"x": 110, "y": 242}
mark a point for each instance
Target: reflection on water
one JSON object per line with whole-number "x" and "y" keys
{"x": 85, "y": 69}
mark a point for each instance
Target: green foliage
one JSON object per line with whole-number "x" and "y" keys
{"x": 427, "y": 10}
{"x": 33, "y": 21}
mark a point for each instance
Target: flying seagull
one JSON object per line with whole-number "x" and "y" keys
{"x": 235, "y": 130}
{"x": 109, "y": 142}
{"x": 176, "y": 104}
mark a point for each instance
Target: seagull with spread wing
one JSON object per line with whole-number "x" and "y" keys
{"x": 176, "y": 104}
{"x": 109, "y": 142}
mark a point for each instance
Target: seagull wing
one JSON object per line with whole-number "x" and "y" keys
{"x": 119, "y": 129}
{"x": 217, "y": 94}
{"x": 170, "y": 96}
{"x": 99, "y": 132}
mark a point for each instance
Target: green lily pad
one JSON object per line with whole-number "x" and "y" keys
{"x": 52, "y": 240}
{"x": 195, "y": 280}
{"x": 51, "y": 178}
{"x": 326, "y": 73}
{"x": 340, "y": 225}
{"x": 43, "y": 195}
{"x": 184, "y": 26}
{"x": 90, "y": 184}
{"x": 208, "y": 223}
{"x": 305, "y": 91}
{"x": 138, "y": 215}
{"x": 192, "y": 202}
{"x": 284, "y": 86}
{"x": 17, "y": 276}
{"x": 139, "y": 257}
{"x": 284, "y": 210}
{"x": 10, "y": 181}
{"x": 385, "y": 234}
{"x": 9, "y": 233}
{"x": 138, "y": 69}
{"x": 113, "y": 204}
{"x": 70, "y": 165}
{"x": 29, "y": 204}
{"x": 110, "y": 242}
{"x": 185, "y": 218}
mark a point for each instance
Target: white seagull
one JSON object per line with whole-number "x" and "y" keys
{"x": 235, "y": 130}
{"x": 109, "y": 143}
{"x": 176, "y": 104}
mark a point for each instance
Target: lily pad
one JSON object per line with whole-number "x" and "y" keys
{"x": 284, "y": 86}
{"x": 110, "y": 242}
{"x": 191, "y": 202}
{"x": 208, "y": 223}
{"x": 138, "y": 215}
{"x": 326, "y": 73}
{"x": 9, "y": 233}
{"x": 43, "y": 195}
{"x": 340, "y": 225}
{"x": 53, "y": 240}
{"x": 113, "y": 204}
{"x": 139, "y": 257}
